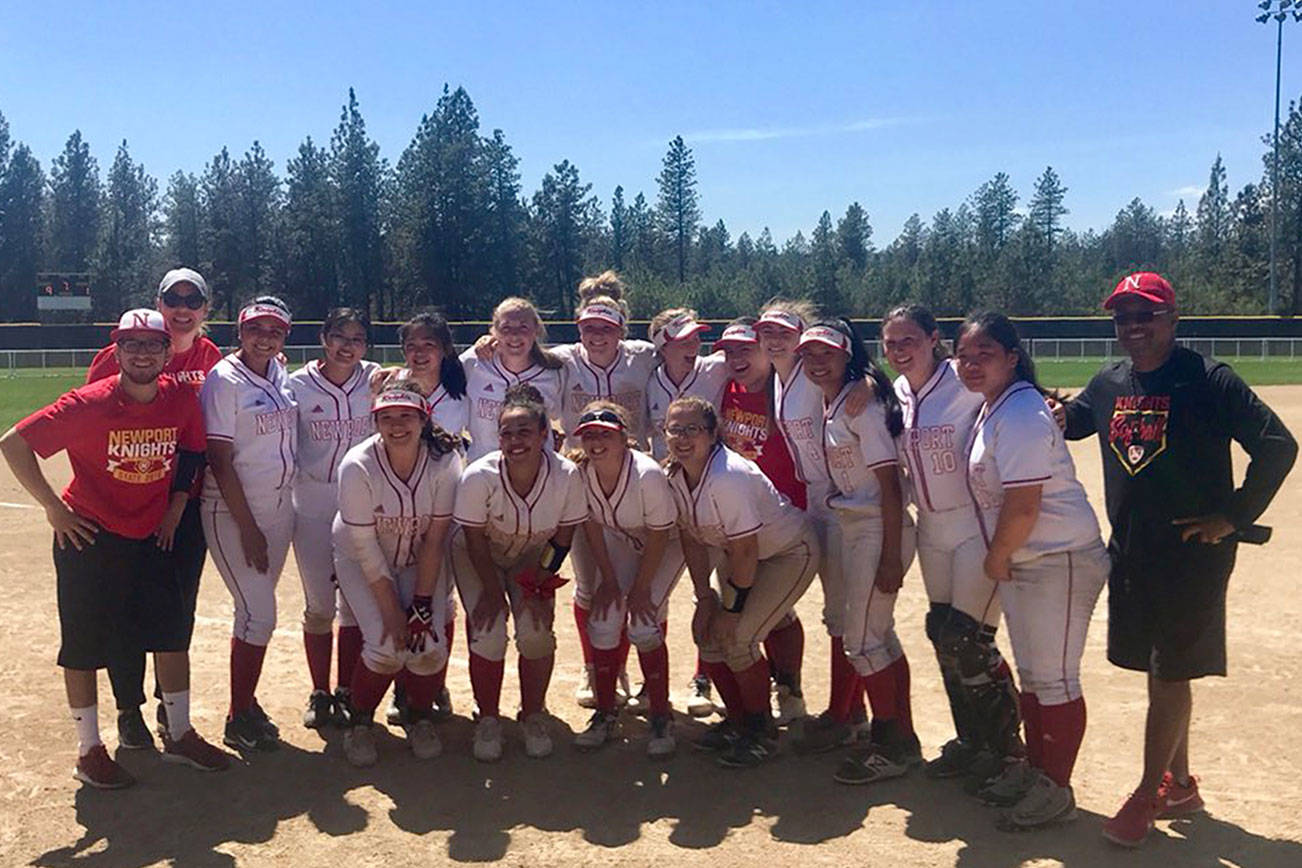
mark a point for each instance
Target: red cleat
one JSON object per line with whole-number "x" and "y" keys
{"x": 98, "y": 769}
{"x": 1131, "y": 825}
{"x": 1174, "y": 800}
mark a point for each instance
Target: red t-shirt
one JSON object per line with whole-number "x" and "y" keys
{"x": 190, "y": 366}
{"x": 748, "y": 429}
{"x": 123, "y": 453}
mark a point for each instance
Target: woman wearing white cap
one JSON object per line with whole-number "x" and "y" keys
{"x": 630, "y": 535}
{"x": 871, "y": 537}
{"x": 248, "y": 510}
{"x": 396, "y": 492}
{"x": 183, "y": 302}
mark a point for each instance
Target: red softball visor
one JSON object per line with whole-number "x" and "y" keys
{"x": 827, "y": 336}
{"x": 737, "y": 334}
{"x": 682, "y": 326}
{"x": 783, "y": 318}
{"x": 264, "y": 311}
{"x": 399, "y": 398}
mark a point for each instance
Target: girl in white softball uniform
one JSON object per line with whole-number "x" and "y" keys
{"x": 682, "y": 370}
{"x": 1044, "y": 551}
{"x": 964, "y": 606}
{"x": 334, "y": 401}
{"x": 248, "y": 510}
{"x": 637, "y": 561}
{"x": 397, "y": 489}
{"x": 517, "y": 508}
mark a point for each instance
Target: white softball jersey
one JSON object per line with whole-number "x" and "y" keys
{"x": 706, "y": 381}
{"x": 734, "y": 499}
{"x": 856, "y": 447}
{"x": 259, "y": 417}
{"x": 1016, "y": 443}
{"x": 515, "y": 524}
{"x": 382, "y": 517}
{"x": 937, "y": 424}
{"x": 486, "y": 385}
{"x": 623, "y": 382}
{"x": 449, "y": 413}
{"x": 799, "y": 410}
{"x": 641, "y": 500}
{"x": 331, "y": 420}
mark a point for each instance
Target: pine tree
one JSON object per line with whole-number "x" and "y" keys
{"x": 312, "y": 231}
{"x": 641, "y": 232}
{"x": 74, "y": 207}
{"x": 854, "y": 237}
{"x": 125, "y": 263}
{"x": 259, "y": 213}
{"x": 1046, "y": 209}
{"x": 356, "y": 175}
{"x": 220, "y": 232}
{"x": 506, "y": 216}
{"x": 565, "y": 217}
{"x": 677, "y": 209}
{"x": 182, "y": 220}
{"x": 1213, "y": 217}
{"x": 618, "y": 229}
{"x": 994, "y": 211}
{"x": 22, "y": 194}
{"x": 822, "y": 248}
{"x": 1179, "y": 228}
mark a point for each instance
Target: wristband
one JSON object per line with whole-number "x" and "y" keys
{"x": 739, "y": 596}
{"x": 552, "y": 556}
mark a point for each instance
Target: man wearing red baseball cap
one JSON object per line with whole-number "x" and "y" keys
{"x": 135, "y": 442}
{"x": 1165, "y": 417}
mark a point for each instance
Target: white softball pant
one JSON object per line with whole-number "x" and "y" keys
{"x": 869, "y": 613}
{"x": 533, "y": 641}
{"x": 952, "y": 555}
{"x": 314, "y": 554}
{"x": 380, "y": 654}
{"x": 606, "y": 627}
{"x": 1048, "y": 604}
{"x": 254, "y": 593}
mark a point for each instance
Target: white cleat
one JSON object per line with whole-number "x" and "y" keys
{"x": 537, "y": 741}
{"x": 488, "y": 740}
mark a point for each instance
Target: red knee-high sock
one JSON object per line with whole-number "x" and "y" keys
{"x": 903, "y": 701}
{"x": 486, "y": 683}
{"x": 881, "y": 694}
{"x": 655, "y": 675}
{"x": 785, "y": 648}
{"x": 845, "y": 688}
{"x": 318, "y": 647}
{"x": 1030, "y": 705}
{"x": 702, "y": 668}
{"x": 581, "y": 621}
{"x": 246, "y": 668}
{"x": 400, "y": 680}
{"x": 729, "y": 690}
{"x": 1063, "y": 730}
{"x": 605, "y": 663}
{"x": 349, "y": 652}
{"x": 622, "y": 648}
{"x": 420, "y": 690}
{"x": 368, "y": 689}
{"x": 535, "y": 675}
{"x": 753, "y": 682}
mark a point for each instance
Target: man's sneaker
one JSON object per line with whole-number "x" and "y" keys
{"x": 320, "y": 711}
{"x": 537, "y": 741}
{"x": 719, "y": 737}
{"x": 870, "y": 765}
{"x": 343, "y": 706}
{"x": 442, "y": 705}
{"x": 699, "y": 701}
{"x": 639, "y": 703}
{"x": 661, "y": 744}
{"x": 955, "y": 758}
{"x": 747, "y": 751}
{"x": 132, "y": 732}
{"x": 821, "y": 734}
{"x": 601, "y": 726}
{"x": 790, "y": 706}
{"x": 1178, "y": 800}
{"x": 359, "y": 745}
{"x": 191, "y": 750}
{"x": 98, "y": 769}
{"x": 397, "y": 713}
{"x": 488, "y": 739}
{"x": 585, "y": 696}
{"x": 423, "y": 739}
{"x": 268, "y": 726}
{"x": 1045, "y": 804}
{"x": 1131, "y": 825}
{"x": 245, "y": 731}
{"x": 1010, "y": 786}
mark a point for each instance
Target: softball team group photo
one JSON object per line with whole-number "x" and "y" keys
{"x": 439, "y": 509}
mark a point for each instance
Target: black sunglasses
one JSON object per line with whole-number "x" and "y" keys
{"x": 608, "y": 416}
{"x": 193, "y": 301}
{"x": 1139, "y": 317}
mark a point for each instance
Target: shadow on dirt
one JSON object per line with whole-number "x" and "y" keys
{"x": 608, "y": 796}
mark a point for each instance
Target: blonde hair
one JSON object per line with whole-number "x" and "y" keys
{"x": 608, "y": 283}
{"x": 538, "y": 353}
{"x": 803, "y": 308}
{"x": 577, "y": 454}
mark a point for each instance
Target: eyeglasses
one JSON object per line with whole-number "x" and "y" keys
{"x": 337, "y": 338}
{"x": 1139, "y": 317}
{"x": 684, "y": 430}
{"x": 193, "y": 301}
{"x": 610, "y": 417}
{"x": 151, "y": 346}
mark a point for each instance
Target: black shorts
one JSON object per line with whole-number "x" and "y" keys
{"x": 1166, "y": 610}
{"x": 114, "y": 596}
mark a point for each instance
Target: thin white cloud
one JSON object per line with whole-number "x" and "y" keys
{"x": 1188, "y": 191}
{"x": 760, "y": 134}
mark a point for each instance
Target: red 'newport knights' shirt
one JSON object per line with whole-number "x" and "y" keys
{"x": 749, "y": 429}
{"x": 122, "y": 452}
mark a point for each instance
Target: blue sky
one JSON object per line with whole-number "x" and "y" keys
{"x": 791, "y": 108}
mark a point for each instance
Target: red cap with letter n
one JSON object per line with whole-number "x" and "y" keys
{"x": 1142, "y": 284}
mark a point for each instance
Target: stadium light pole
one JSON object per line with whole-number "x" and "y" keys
{"x": 1278, "y": 10}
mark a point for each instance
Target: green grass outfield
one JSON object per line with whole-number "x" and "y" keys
{"x": 26, "y": 389}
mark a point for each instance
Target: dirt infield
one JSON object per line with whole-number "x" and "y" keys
{"x": 306, "y": 806}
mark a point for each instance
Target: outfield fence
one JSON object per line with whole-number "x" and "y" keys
{"x": 33, "y": 362}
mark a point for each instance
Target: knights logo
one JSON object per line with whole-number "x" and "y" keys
{"x": 1137, "y": 433}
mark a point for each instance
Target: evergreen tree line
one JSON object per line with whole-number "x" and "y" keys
{"x": 448, "y": 225}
